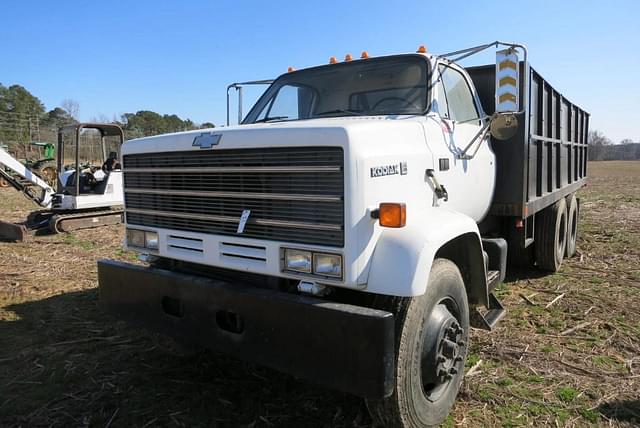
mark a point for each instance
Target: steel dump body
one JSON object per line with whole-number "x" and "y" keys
{"x": 547, "y": 158}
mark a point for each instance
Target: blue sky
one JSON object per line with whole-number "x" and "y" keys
{"x": 178, "y": 57}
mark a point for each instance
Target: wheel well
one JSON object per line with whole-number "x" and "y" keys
{"x": 466, "y": 252}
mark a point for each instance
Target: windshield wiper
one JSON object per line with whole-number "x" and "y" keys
{"x": 351, "y": 112}
{"x": 270, "y": 119}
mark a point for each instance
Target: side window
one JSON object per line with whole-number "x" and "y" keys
{"x": 459, "y": 98}
{"x": 292, "y": 102}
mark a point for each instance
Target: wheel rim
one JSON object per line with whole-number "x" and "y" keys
{"x": 443, "y": 350}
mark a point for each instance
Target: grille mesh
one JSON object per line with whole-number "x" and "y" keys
{"x": 294, "y": 194}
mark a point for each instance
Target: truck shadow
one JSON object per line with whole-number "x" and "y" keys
{"x": 518, "y": 274}
{"x": 63, "y": 362}
{"x": 622, "y": 411}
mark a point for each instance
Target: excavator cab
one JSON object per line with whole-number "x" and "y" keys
{"x": 89, "y": 162}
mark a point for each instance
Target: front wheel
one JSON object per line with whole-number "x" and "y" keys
{"x": 432, "y": 332}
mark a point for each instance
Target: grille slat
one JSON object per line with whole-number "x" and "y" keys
{"x": 294, "y": 194}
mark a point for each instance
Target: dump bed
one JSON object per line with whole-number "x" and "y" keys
{"x": 547, "y": 157}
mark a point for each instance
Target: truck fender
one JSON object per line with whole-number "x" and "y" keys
{"x": 402, "y": 258}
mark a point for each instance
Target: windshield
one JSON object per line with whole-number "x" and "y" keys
{"x": 378, "y": 86}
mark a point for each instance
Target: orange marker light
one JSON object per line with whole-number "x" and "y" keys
{"x": 348, "y": 57}
{"x": 290, "y": 69}
{"x": 422, "y": 49}
{"x": 332, "y": 60}
{"x": 392, "y": 214}
{"x": 364, "y": 55}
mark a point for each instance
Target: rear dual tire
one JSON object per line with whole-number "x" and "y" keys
{"x": 432, "y": 333}
{"x": 557, "y": 233}
{"x": 573, "y": 214}
{"x": 551, "y": 236}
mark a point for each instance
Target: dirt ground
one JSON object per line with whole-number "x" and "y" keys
{"x": 566, "y": 354}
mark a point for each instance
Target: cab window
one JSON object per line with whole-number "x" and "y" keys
{"x": 460, "y": 101}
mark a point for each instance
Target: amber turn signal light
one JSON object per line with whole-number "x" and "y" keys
{"x": 392, "y": 214}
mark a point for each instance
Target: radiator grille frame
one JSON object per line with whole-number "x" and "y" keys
{"x": 295, "y": 194}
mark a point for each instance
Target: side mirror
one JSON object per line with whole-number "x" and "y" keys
{"x": 504, "y": 126}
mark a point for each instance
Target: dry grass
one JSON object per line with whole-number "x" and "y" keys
{"x": 572, "y": 363}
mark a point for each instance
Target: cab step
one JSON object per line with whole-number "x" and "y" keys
{"x": 488, "y": 320}
{"x": 494, "y": 278}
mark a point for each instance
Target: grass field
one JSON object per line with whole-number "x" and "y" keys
{"x": 566, "y": 354}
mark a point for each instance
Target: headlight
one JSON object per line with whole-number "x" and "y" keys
{"x": 151, "y": 240}
{"x": 297, "y": 260}
{"x": 135, "y": 238}
{"x": 321, "y": 264}
{"x": 142, "y": 239}
{"x": 327, "y": 264}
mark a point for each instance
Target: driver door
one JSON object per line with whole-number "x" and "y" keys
{"x": 468, "y": 181}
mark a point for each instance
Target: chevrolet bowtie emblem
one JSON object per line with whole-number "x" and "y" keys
{"x": 206, "y": 140}
{"x": 243, "y": 220}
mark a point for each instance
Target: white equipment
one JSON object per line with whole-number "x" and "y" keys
{"x": 88, "y": 196}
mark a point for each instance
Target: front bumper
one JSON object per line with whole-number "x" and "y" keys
{"x": 341, "y": 346}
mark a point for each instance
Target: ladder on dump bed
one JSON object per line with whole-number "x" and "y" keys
{"x": 24, "y": 180}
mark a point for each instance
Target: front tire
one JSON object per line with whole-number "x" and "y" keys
{"x": 432, "y": 333}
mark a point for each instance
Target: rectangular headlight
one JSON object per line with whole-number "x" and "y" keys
{"x": 297, "y": 260}
{"x": 327, "y": 264}
{"x": 135, "y": 238}
{"x": 151, "y": 240}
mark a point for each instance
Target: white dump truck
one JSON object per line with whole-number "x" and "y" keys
{"x": 351, "y": 229}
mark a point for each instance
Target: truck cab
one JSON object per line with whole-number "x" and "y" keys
{"x": 344, "y": 232}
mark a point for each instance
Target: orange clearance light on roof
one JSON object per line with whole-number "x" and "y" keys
{"x": 348, "y": 57}
{"x": 392, "y": 214}
{"x": 422, "y": 49}
{"x": 332, "y": 60}
{"x": 290, "y": 69}
{"x": 364, "y": 55}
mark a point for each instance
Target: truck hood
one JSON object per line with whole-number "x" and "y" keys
{"x": 385, "y": 159}
{"x": 328, "y": 131}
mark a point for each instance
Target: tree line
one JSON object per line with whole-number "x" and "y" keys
{"x": 602, "y": 148}
{"x": 24, "y": 119}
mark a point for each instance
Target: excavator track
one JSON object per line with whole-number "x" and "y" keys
{"x": 84, "y": 220}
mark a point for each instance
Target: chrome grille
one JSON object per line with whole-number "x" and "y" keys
{"x": 294, "y": 194}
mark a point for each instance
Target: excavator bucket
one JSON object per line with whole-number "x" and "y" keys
{"x": 13, "y": 231}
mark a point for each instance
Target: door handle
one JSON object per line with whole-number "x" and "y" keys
{"x": 438, "y": 188}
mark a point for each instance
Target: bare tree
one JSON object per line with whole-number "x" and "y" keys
{"x": 72, "y": 107}
{"x": 101, "y": 118}
{"x": 597, "y": 141}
